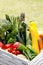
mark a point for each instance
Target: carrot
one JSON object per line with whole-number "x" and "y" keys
{"x": 41, "y": 36}
{"x": 40, "y": 42}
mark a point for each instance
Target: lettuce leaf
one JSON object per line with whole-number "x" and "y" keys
{"x": 4, "y": 26}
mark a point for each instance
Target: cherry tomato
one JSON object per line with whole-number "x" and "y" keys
{"x": 15, "y": 45}
{"x": 18, "y": 52}
{"x": 2, "y": 45}
{"x": 9, "y": 50}
{"x": 14, "y": 49}
{"x": 14, "y": 52}
{"x": 8, "y": 46}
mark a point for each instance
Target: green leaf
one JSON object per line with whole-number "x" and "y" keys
{"x": 4, "y": 26}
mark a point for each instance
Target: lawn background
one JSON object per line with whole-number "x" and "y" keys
{"x": 33, "y": 10}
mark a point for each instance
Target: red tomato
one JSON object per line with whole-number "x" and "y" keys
{"x": 9, "y": 50}
{"x": 14, "y": 49}
{"x": 15, "y": 45}
{"x": 2, "y": 45}
{"x": 14, "y": 52}
{"x": 8, "y": 46}
{"x": 18, "y": 52}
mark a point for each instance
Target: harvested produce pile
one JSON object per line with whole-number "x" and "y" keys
{"x": 17, "y": 38}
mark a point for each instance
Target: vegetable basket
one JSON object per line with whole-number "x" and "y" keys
{"x": 38, "y": 60}
{"x": 17, "y": 33}
{"x": 7, "y": 58}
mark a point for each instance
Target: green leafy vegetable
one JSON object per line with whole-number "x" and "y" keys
{"x": 18, "y": 29}
{"x": 4, "y": 26}
{"x": 15, "y": 29}
{"x": 27, "y": 51}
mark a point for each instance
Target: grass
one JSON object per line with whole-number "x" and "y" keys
{"x": 32, "y": 8}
